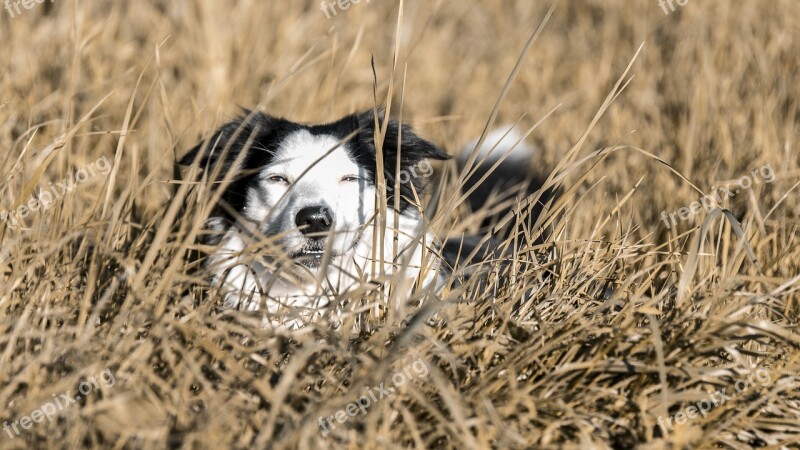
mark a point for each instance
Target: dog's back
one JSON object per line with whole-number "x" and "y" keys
{"x": 499, "y": 181}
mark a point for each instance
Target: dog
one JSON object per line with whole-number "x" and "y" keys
{"x": 298, "y": 218}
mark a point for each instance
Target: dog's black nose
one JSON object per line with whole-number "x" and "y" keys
{"x": 314, "y": 219}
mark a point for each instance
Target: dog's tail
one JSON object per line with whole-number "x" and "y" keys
{"x": 500, "y": 180}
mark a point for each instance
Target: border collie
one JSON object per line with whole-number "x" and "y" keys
{"x": 297, "y": 219}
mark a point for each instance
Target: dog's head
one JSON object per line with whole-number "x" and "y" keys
{"x": 312, "y": 187}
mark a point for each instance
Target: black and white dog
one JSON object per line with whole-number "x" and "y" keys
{"x": 297, "y": 219}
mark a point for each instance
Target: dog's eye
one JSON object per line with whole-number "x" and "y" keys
{"x": 277, "y": 179}
{"x": 350, "y": 178}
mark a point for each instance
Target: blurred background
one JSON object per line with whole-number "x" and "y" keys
{"x": 714, "y": 91}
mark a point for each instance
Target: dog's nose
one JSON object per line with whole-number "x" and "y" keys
{"x": 314, "y": 219}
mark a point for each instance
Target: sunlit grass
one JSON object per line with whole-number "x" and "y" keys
{"x": 581, "y": 341}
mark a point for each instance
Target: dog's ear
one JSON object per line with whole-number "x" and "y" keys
{"x": 216, "y": 156}
{"x": 414, "y": 153}
{"x": 413, "y": 148}
{"x": 229, "y": 141}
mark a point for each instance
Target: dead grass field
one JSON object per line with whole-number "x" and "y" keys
{"x": 635, "y": 321}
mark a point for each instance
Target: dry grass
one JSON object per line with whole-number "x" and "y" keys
{"x": 634, "y": 322}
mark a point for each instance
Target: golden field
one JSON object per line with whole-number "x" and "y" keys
{"x": 636, "y": 112}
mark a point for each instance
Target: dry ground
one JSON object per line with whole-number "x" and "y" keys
{"x": 631, "y": 322}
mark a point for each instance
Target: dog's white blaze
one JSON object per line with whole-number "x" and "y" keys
{"x": 315, "y": 167}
